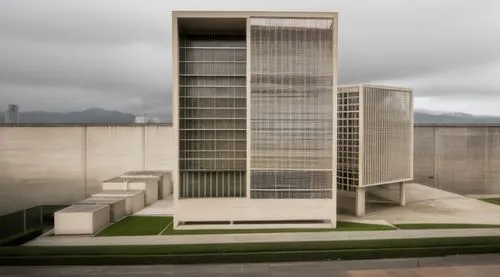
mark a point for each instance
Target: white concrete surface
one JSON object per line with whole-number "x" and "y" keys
{"x": 165, "y": 181}
{"x": 117, "y": 183}
{"x": 243, "y": 209}
{"x": 116, "y": 205}
{"x": 148, "y": 185}
{"x": 360, "y": 201}
{"x": 429, "y": 205}
{"x": 134, "y": 199}
{"x": 269, "y": 237}
{"x": 81, "y": 219}
{"x": 62, "y": 164}
{"x": 164, "y": 207}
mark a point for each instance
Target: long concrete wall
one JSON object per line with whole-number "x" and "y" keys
{"x": 463, "y": 159}
{"x": 60, "y": 164}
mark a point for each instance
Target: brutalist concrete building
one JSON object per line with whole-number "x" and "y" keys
{"x": 254, "y": 97}
{"x": 374, "y": 139}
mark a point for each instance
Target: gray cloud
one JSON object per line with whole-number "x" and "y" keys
{"x": 116, "y": 54}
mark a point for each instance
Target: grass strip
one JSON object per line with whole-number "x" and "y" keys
{"x": 245, "y": 247}
{"x": 21, "y": 238}
{"x": 242, "y": 257}
{"x": 137, "y": 226}
{"x": 153, "y": 225}
{"x": 495, "y": 201}
{"x": 444, "y": 226}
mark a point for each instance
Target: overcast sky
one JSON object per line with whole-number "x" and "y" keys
{"x": 70, "y": 55}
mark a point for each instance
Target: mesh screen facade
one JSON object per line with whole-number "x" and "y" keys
{"x": 254, "y": 118}
{"x": 292, "y": 108}
{"x": 375, "y": 137}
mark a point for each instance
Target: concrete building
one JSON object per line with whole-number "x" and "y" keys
{"x": 254, "y": 118}
{"x": 12, "y": 114}
{"x": 374, "y": 139}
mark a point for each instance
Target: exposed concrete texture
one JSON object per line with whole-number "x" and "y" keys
{"x": 360, "y": 201}
{"x": 427, "y": 205}
{"x": 163, "y": 207}
{"x": 116, "y": 205}
{"x": 479, "y": 265}
{"x": 402, "y": 194}
{"x": 63, "y": 164}
{"x": 81, "y": 219}
{"x": 134, "y": 199}
{"x": 258, "y": 237}
{"x": 460, "y": 159}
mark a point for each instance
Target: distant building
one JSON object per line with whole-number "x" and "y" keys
{"x": 12, "y": 114}
{"x": 143, "y": 119}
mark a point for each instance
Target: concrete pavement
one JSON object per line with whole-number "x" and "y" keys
{"x": 423, "y": 205}
{"x": 451, "y": 266}
{"x": 263, "y": 237}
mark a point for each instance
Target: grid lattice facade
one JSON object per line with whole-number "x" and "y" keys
{"x": 375, "y": 136}
{"x": 212, "y": 114}
{"x": 348, "y": 155}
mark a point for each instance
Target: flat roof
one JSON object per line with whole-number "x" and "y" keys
{"x": 145, "y": 172}
{"x": 111, "y": 193}
{"x": 101, "y": 200}
{"x": 457, "y": 125}
{"x": 82, "y": 209}
{"x": 244, "y": 14}
{"x": 138, "y": 178}
{"x": 83, "y": 124}
{"x": 376, "y": 86}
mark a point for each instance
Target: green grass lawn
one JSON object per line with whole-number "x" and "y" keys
{"x": 492, "y": 200}
{"x": 444, "y": 226}
{"x": 137, "y": 226}
{"x": 153, "y": 225}
{"x": 246, "y": 252}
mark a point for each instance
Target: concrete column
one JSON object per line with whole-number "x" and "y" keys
{"x": 360, "y": 201}
{"x": 402, "y": 194}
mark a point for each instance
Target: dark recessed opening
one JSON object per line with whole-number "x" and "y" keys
{"x": 281, "y": 222}
{"x": 205, "y": 223}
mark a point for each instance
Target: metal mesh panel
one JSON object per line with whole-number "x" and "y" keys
{"x": 348, "y": 138}
{"x": 291, "y": 108}
{"x": 212, "y": 116}
{"x": 388, "y": 135}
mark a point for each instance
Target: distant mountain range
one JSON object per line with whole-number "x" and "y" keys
{"x": 93, "y": 115}
{"x": 97, "y": 115}
{"x": 437, "y": 117}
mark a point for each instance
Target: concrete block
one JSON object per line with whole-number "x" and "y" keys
{"x": 148, "y": 185}
{"x": 81, "y": 219}
{"x": 134, "y": 199}
{"x": 115, "y": 184}
{"x": 165, "y": 184}
{"x": 116, "y": 205}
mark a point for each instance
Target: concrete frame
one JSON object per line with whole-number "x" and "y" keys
{"x": 247, "y": 209}
{"x": 360, "y": 190}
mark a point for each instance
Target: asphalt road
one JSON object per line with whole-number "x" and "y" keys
{"x": 468, "y": 265}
